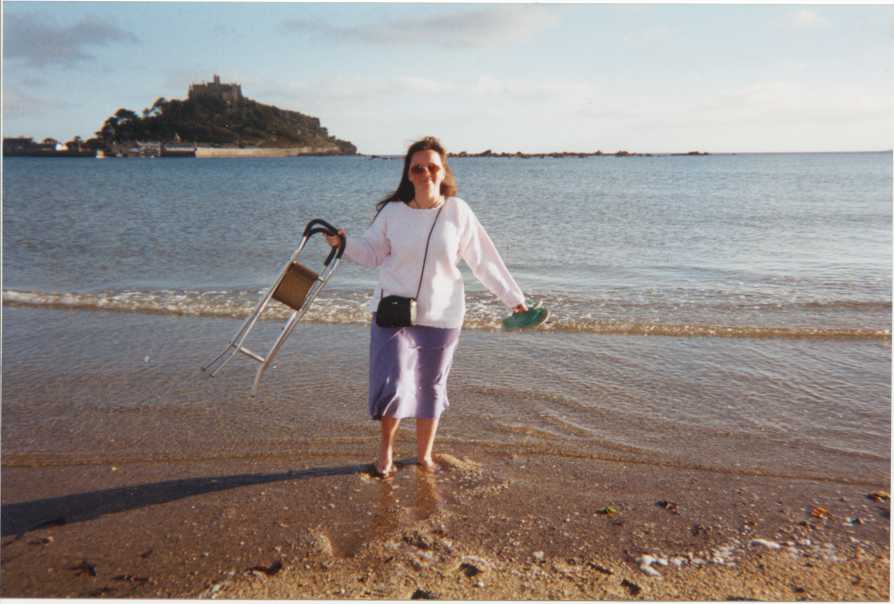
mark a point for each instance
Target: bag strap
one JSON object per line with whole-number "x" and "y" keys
{"x": 427, "y": 241}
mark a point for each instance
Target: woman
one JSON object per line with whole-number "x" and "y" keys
{"x": 416, "y": 240}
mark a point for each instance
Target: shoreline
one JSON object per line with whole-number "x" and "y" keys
{"x": 280, "y": 152}
{"x": 228, "y": 152}
{"x": 488, "y": 525}
{"x": 552, "y": 155}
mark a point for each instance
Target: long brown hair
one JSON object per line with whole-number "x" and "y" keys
{"x": 405, "y": 191}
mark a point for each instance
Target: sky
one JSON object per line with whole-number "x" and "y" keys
{"x": 507, "y": 77}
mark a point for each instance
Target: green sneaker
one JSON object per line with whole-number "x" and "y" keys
{"x": 530, "y": 319}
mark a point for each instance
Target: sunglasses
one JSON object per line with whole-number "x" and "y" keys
{"x": 418, "y": 169}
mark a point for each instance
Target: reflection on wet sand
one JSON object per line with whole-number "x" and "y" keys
{"x": 386, "y": 514}
{"x": 391, "y": 513}
{"x": 428, "y": 497}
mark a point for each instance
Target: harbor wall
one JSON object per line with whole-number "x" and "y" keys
{"x": 265, "y": 152}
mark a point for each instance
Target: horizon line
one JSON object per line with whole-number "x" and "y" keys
{"x": 612, "y": 153}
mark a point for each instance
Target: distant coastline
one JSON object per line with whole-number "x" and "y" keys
{"x": 204, "y": 151}
{"x": 578, "y": 154}
{"x": 555, "y": 154}
{"x": 51, "y": 148}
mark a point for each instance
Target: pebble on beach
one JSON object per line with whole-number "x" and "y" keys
{"x": 473, "y": 565}
{"x": 632, "y": 588}
{"x": 645, "y": 564}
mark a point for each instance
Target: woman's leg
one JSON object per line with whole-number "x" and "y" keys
{"x": 425, "y": 441}
{"x": 386, "y": 448}
{"x": 436, "y": 347}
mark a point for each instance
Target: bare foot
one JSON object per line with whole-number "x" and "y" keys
{"x": 382, "y": 471}
{"x": 427, "y": 465}
{"x": 385, "y": 464}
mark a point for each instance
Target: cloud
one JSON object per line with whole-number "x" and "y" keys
{"x": 227, "y": 31}
{"x": 471, "y": 28}
{"x": 764, "y": 105}
{"x": 505, "y": 113}
{"x": 805, "y": 18}
{"x": 19, "y": 104}
{"x": 32, "y": 80}
{"x": 39, "y": 43}
{"x": 352, "y": 92}
{"x": 490, "y": 111}
{"x": 649, "y": 36}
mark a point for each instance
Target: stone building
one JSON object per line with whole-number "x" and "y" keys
{"x": 231, "y": 94}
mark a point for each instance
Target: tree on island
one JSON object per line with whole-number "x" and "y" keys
{"x": 119, "y": 128}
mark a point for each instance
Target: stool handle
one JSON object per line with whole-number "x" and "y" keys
{"x": 310, "y": 225}
{"x": 326, "y": 229}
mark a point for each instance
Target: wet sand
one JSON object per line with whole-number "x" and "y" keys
{"x": 490, "y": 524}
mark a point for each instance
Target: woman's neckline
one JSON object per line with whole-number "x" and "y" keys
{"x": 434, "y": 207}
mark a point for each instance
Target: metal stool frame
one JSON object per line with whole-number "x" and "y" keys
{"x": 299, "y": 306}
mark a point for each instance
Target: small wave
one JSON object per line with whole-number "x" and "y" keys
{"x": 695, "y": 330}
{"x": 848, "y": 305}
{"x": 350, "y": 308}
{"x": 232, "y": 305}
{"x": 720, "y": 331}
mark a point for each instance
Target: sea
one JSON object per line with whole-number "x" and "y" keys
{"x": 727, "y": 313}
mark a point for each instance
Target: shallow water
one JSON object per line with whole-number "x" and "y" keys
{"x": 730, "y": 313}
{"x": 735, "y": 245}
{"x": 100, "y": 387}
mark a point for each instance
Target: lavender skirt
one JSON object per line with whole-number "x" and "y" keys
{"x": 408, "y": 370}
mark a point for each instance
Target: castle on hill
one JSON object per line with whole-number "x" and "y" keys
{"x": 231, "y": 94}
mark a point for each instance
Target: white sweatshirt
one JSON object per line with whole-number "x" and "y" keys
{"x": 395, "y": 242}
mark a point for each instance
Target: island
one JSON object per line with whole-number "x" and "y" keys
{"x": 215, "y": 120}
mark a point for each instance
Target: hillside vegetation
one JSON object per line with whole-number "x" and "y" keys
{"x": 212, "y": 121}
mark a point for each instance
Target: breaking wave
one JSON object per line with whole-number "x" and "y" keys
{"x": 350, "y": 308}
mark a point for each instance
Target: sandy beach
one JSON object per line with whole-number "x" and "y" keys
{"x": 704, "y": 417}
{"x": 487, "y": 525}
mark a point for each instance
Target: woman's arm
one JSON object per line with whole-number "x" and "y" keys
{"x": 368, "y": 250}
{"x": 479, "y": 252}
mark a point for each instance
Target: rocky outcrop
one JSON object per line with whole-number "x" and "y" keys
{"x": 208, "y": 121}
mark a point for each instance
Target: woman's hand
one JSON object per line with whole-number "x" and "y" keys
{"x": 520, "y": 308}
{"x": 335, "y": 240}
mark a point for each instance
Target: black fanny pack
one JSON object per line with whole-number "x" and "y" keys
{"x": 400, "y": 311}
